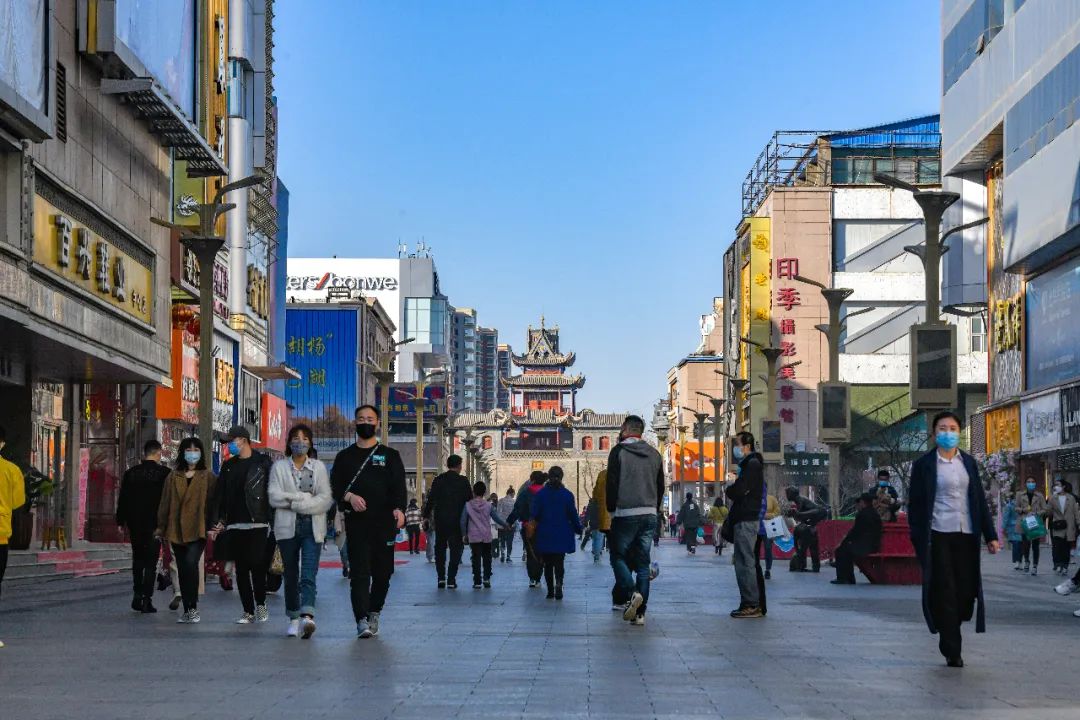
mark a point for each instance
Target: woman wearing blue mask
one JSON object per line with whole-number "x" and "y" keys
{"x": 185, "y": 516}
{"x": 300, "y": 495}
{"x": 1029, "y": 501}
{"x": 948, "y": 516}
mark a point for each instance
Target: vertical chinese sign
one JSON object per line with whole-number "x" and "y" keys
{"x": 787, "y": 298}
{"x": 760, "y": 283}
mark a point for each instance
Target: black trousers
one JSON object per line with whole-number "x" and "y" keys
{"x": 187, "y": 571}
{"x": 954, "y": 561}
{"x": 806, "y": 540}
{"x": 145, "y": 549}
{"x": 845, "y": 563}
{"x": 534, "y": 564}
{"x": 3, "y": 562}
{"x": 1060, "y": 548}
{"x": 554, "y": 569}
{"x": 690, "y": 538}
{"x": 371, "y": 563}
{"x": 448, "y": 538}
{"x": 1030, "y": 550}
{"x": 481, "y": 561}
{"x": 414, "y": 538}
{"x": 247, "y": 548}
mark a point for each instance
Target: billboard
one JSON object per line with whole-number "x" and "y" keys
{"x": 693, "y": 458}
{"x": 401, "y": 403}
{"x": 1040, "y": 423}
{"x": 1053, "y": 310}
{"x": 311, "y": 279}
{"x": 162, "y": 36}
{"x": 24, "y": 64}
{"x": 322, "y": 344}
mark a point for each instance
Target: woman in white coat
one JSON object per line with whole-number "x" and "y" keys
{"x": 300, "y": 494}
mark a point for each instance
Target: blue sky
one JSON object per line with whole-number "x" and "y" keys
{"x": 583, "y": 160}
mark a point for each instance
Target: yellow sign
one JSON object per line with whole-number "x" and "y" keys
{"x": 224, "y": 381}
{"x": 760, "y": 229}
{"x": 1003, "y": 429}
{"x": 71, "y": 251}
{"x": 1007, "y": 322}
{"x": 537, "y": 464}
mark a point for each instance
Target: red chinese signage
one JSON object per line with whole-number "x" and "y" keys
{"x": 787, "y": 298}
{"x": 275, "y": 418}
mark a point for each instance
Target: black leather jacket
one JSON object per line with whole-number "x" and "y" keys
{"x": 251, "y": 487}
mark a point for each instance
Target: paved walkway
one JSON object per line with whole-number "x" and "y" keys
{"x": 75, "y": 650}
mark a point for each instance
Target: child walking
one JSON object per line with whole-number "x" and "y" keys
{"x": 476, "y": 519}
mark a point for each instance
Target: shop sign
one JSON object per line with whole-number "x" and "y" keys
{"x": 1053, "y": 311}
{"x": 224, "y": 393}
{"x": 181, "y": 401}
{"x": 1003, "y": 428}
{"x": 74, "y": 253}
{"x": 251, "y": 404}
{"x": 1040, "y": 423}
{"x": 258, "y": 292}
{"x": 1070, "y": 415}
{"x": 189, "y": 278}
{"x": 274, "y": 419}
{"x": 1007, "y": 323}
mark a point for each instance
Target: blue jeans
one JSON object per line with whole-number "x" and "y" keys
{"x": 629, "y": 544}
{"x": 597, "y": 544}
{"x": 300, "y": 554}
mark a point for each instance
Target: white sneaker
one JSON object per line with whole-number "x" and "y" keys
{"x": 262, "y": 613}
{"x": 1076, "y": 613}
{"x": 307, "y": 627}
{"x": 246, "y": 619}
{"x": 189, "y": 618}
{"x": 1066, "y": 588}
{"x": 1017, "y": 566}
{"x": 630, "y": 612}
{"x": 618, "y": 607}
{"x": 639, "y": 621}
{"x": 373, "y": 623}
{"x": 1035, "y": 570}
{"x": 294, "y": 628}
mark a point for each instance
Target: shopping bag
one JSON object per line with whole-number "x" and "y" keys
{"x": 701, "y": 536}
{"x": 277, "y": 565}
{"x": 784, "y": 543}
{"x": 1033, "y": 527}
{"x": 776, "y": 528}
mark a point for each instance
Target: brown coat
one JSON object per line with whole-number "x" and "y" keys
{"x": 186, "y": 511}
{"x": 1037, "y": 507}
{"x": 1071, "y": 516}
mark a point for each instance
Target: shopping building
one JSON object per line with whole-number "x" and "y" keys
{"x": 811, "y": 208}
{"x": 1011, "y": 148}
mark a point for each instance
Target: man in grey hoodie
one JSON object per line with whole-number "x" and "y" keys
{"x": 634, "y": 491}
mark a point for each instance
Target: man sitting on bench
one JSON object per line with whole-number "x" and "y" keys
{"x": 863, "y": 539}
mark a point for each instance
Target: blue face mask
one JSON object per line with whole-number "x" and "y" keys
{"x": 947, "y": 439}
{"x": 737, "y": 452}
{"x": 1031, "y": 486}
{"x": 191, "y": 457}
{"x": 234, "y": 449}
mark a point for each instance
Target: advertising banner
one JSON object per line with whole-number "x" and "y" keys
{"x": 1070, "y": 415}
{"x": 1053, "y": 313}
{"x": 1003, "y": 428}
{"x": 401, "y": 403}
{"x": 1040, "y": 423}
{"x": 162, "y": 36}
{"x": 323, "y": 346}
{"x": 275, "y": 416}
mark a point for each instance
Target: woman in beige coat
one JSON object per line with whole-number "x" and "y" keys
{"x": 1064, "y": 514}
{"x": 1029, "y": 501}
{"x": 184, "y": 517}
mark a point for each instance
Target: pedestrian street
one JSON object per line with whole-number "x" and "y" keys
{"x": 74, "y": 649}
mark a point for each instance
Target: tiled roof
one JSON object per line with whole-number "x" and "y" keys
{"x": 584, "y": 420}
{"x": 524, "y": 381}
{"x": 556, "y": 360}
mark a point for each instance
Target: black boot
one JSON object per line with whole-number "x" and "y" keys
{"x": 558, "y": 592}
{"x": 147, "y": 606}
{"x": 550, "y": 592}
{"x": 137, "y": 602}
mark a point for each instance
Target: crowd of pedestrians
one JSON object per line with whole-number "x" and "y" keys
{"x": 256, "y": 513}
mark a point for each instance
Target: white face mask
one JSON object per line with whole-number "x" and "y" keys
{"x": 1057, "y": 489}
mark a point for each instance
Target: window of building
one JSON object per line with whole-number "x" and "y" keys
{"x": 978, "y": 334}
{"x": 426, "y": 320}
{"x": 1046, "y": 111}
{"x": 586, "y": 443}
{"x": 605, "y": 443}
{"x": 487, "y": 442}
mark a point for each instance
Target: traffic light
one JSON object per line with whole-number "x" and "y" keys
{"x": 834, "y": 412}
{"x": 933, "y": 367}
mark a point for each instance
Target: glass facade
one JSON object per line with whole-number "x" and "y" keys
{"x": 970, "y": 37}
{"x": 1046, "y": 111}
{"x": 426, "y": 320}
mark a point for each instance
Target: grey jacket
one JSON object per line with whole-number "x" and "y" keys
{"x": 635, "y": 477}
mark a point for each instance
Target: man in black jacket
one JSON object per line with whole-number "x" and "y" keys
{"x": 136, "y": 509}
{"x": 368, "y": 483}
{"x": 447, "y": 498}
{"x": 807, "y": 515}
{"x": 863, "y": 539}
{"x": 690, "y": 519}
{"x": 747, "y": 496}
{"x": 243, "y": 504}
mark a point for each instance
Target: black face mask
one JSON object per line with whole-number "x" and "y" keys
{"x": 365, "y": 431}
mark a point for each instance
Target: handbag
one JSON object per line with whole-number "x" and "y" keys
{"x": 727, "y": 529}
{"x": 776, "y": 528}
{"x": 1059, "y": 525}
{"x": 277, "y": 565}
{"x": 1033, "y": 528}
{"x": 701, "y": 536}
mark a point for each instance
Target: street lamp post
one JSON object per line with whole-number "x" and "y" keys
{"x": 438, "y": 418}
{"x": 420, "y": 401}
{"x": 205, "y": 244}
{"x": 682, "y": 449}
{"x": 835, "y": 298}
{"x": 662, "y": 438}
{"x": 700, "y": 418}
{"x": 772, "y": 361}
{"x": 717, "y": 406}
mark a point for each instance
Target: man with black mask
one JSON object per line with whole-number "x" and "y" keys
{"x": 807, "y": 515}
{"x": 368, "y": 482}
{"x": 446, "y": 500}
